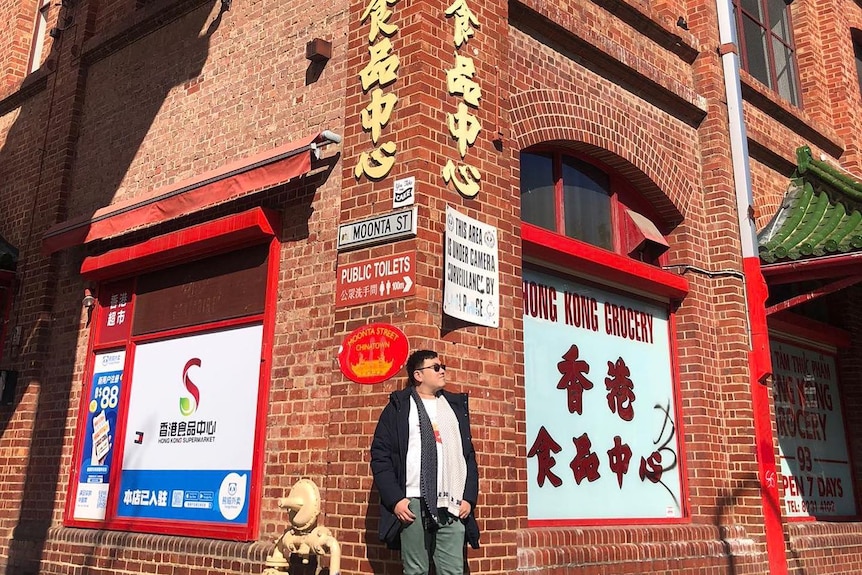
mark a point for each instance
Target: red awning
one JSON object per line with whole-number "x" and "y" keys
{"x": 234, "y": 180}
{"x": 230, "y": 232}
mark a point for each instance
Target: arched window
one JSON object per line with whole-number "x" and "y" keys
{"x": 579, "y": 198}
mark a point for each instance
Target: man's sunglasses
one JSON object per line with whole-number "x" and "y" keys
{"x": 436, "y": 367}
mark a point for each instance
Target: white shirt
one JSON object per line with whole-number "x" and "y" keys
{"x": 414, "y": 446}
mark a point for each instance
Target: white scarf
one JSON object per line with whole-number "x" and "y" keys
{"x": 454, "y": 468}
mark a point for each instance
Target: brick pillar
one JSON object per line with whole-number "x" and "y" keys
{"x": 430, "y": 38}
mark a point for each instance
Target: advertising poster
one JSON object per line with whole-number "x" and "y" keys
{"x": 190, "y": 428}
{"x": 91, "y": 497}
{"x": 812, "y": 445}
{"x": 602, "y": 430}
{"x": 471, "y": 277}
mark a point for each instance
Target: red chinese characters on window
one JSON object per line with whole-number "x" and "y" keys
{"x": 542, "y": 449}
{"x": 574, "y": 379}
{"x": 619, "y": 457}
{"x": 585, "y": 464}
{"x": 651, "y": 467}
{"x": 621, "y": 390}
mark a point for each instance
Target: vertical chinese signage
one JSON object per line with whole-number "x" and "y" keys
{"x": 91, "y": 496}
{"x": 464, "y": 126}
{"x": 380, "y": 72}
{"x": 471, "y": 276}
{"x": 602, "y": 428}
{"x": 115, "y": 315}
{"x": 190, "y": 428}
{"x": 812, "y": 445}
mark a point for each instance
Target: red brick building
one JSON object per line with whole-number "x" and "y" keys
{"x": 631, "y": 230}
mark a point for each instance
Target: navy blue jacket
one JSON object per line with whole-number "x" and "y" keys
{"x": 389, "y": 463}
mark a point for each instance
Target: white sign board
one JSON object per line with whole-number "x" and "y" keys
{"x": 602, "y": 427}
{"x": 404, "y": 192}
{"x": 379, "y": 229}
{"x": 191, "y": 427}
{"x": 471, "y": 276}
{"x": 812, "y": 445}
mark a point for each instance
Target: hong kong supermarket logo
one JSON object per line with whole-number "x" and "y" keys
{"x": 188, "y": 405}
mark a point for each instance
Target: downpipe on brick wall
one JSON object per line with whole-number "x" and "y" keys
{"x": 304, "y": 537}
{"x": 756, "y": 292}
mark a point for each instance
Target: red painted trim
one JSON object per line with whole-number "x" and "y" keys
{"x": 830, "y": 288}
{"x": 805, "y": 328}
{"x": 541, "y": 244}
{"x": 228, "y": 233}
{"x": 812, "y": 269}
{"x": 760, "y": 364}
{"x": 266, "y": 355}
{"x": 234, "y": 180}
{"x": 120, "y": 442}
{"x": 197, "y": 329}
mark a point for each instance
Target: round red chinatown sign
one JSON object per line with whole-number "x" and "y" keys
{"x": 373, "y": 353}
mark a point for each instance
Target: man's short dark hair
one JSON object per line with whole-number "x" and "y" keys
{"x": 415, "y": 361}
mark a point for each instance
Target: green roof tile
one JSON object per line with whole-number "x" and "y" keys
{"x": 819, "y": 216}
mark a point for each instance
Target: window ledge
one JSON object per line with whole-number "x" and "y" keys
{"x": 541, "y": 245}
{"x": 776, "y": 107}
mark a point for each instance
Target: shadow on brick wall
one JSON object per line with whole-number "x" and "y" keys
{"x": 37, "y": 170}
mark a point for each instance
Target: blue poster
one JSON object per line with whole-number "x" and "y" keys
{"x": 91, "y": 498}
{"x": 202, "y": 495}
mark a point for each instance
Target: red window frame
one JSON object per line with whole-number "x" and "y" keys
{"x": 621, "y": 194}
{"x": 254, "y": 227}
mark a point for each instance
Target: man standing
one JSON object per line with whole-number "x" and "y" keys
{"x": 425, "y": 469}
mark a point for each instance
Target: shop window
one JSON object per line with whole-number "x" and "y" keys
{"x": 603, "y": 421}
{"x": 816, "y": 466}
{"x": 766, "y": 43}
{"x": 577, "y": 198}
{"x": 8, "y": 378}
{"x": 172, "y": 419}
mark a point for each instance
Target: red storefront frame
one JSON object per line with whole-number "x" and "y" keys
{"x": 542, "y": 247}
{"x": 231, "y": 233}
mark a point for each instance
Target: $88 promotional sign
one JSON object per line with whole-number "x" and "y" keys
{"x": 92, "y": 493}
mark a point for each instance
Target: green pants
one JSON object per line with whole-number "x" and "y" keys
{"x": 445, "y": 544}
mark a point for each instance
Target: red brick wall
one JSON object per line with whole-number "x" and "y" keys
{"x": 149, "y": 93}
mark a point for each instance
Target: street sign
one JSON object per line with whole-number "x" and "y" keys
{"x": 379, "y": 229}
{"x": 378, "y": 279}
